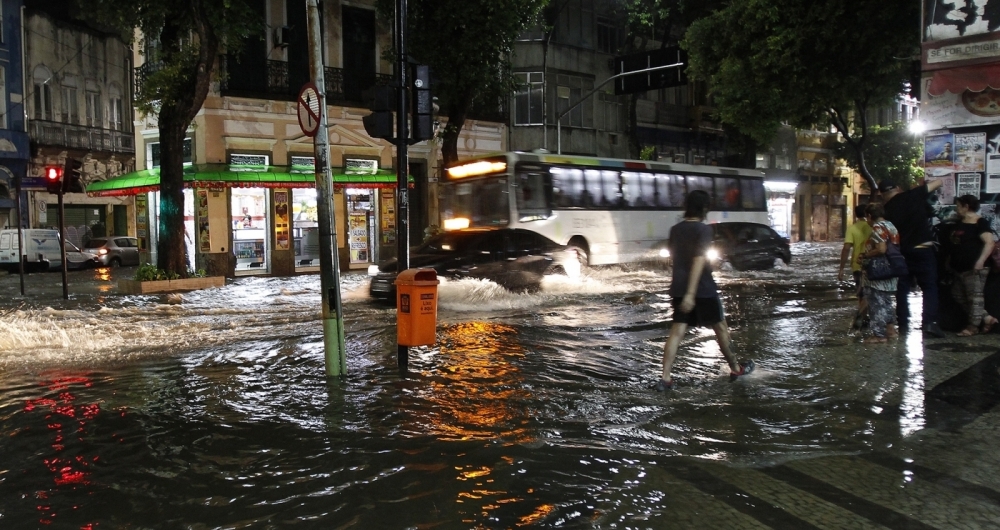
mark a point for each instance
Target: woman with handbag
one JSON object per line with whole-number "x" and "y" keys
{"x": 881, "y": 292}
{"x": 968, "y": 247}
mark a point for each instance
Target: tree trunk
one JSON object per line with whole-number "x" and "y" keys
{"x": 456, "y": 120}
{"x": 171, "y": 245}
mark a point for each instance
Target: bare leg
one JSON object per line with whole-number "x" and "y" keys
{"x": 677, "y": 330}
{"x": 722, "y": 337}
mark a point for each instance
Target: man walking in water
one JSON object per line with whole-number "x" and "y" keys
{"x": 910, "y": 212}
{"x": 694, "y": 295}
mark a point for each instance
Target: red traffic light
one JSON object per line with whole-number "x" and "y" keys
{"x": 53, "y": 173}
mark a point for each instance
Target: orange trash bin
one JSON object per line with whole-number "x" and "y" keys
{"x": 416, "y": 307}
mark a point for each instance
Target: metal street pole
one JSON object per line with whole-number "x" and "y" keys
{"x": 62, "y": 245}
{"x": 594, "y": 91}
{"x": 20, "y": 230}
{"x": 402, "y": 159}
{"x": 333, "y": 316}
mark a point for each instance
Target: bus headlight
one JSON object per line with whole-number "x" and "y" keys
{"x": 712, "y": 254}
{"x": 456, "y": 223}
{"x": 664, "y": 253}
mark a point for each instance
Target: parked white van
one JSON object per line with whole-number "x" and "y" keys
{"x": 41, "y": 251}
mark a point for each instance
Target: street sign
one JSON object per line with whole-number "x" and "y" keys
{"x": 309, "y": 102}
{"x": 670, "y": 77}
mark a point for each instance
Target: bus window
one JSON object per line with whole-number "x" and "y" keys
{"x": 638, "y": 188}
{"x": 752, "y": 194}
{"x": 606, "y": 187}
{"x": 704, "y": 184}
{"x": 675, "y": 191}
{"x": 569, "y": 183}
{"x": 729, "y": 194}
{"x": 532, "y": 200}
{"x": 488, "y": 206}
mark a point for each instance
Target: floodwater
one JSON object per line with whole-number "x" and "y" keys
{"x": 530, "y": 411}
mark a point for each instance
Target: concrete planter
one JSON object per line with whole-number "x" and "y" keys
{"x": 170, "y": 286}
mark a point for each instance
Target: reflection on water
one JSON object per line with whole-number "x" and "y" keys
{"x": 531, "y": 409}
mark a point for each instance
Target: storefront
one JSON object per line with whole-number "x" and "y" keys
{"x": 264, "y": 220}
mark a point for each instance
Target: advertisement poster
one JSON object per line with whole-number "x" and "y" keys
{"x": 281, "y": 226}
{"x": 388, "y": 228}
{"x": 141, "y": 222}
{"x": 939, "y": 158}
{"x": 204, "y": 239}
{"x": 970, "y": 152}
{"x": 993, "y": 173}
{"x": 968, "y": 184}
{"x": 358, "y": 232}
{"x": 946, "y": 193}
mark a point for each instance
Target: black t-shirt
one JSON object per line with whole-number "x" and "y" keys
{"x": 910, "y": 213}
{"x": 689, "y": 239}
{"x": 965, "y": 244}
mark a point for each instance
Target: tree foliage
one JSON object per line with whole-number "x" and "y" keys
{"x": 468, "y": 46}
{"x": 892, "y": 153}
{"x": 182, "y": 43}
{"x": 819, "y": 63}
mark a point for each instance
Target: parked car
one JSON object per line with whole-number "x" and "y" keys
{"x": 513, "y": 258}
{"x": 745, "y": 246}
{"x": 42, "y": 251}
{"x": 115, "y": 251}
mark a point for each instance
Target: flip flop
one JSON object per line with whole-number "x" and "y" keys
{"x": 968, "y": 332}
{"x": 988, "y": 324}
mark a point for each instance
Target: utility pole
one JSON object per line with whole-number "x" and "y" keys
{"x": 402, "y": 158}
{"x": 333, "y": 317}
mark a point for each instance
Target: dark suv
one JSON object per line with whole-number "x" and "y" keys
{"x": 746, "y": 246}
{"x": 749, "y": 246}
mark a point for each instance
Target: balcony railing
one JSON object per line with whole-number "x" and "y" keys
{"x": 140, "y": 73}
{"x": 81, "y": 137}
{"x": 277, "y": 80}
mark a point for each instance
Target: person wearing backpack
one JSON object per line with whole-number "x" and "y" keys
{"x": 880, "y": 293}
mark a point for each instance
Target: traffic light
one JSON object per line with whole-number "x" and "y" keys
{"x": 379, "y": 124}
{"x": 422, "y": 113}
{"x": 54, "y": 179}
{"x": 72, "y": 173}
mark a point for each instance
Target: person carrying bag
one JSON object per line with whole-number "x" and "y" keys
{"x": 879, "y": 277}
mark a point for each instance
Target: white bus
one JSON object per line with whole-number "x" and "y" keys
{"x": 613, "y": 211}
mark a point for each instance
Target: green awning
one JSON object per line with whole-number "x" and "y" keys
{"x": 230, "y": 176}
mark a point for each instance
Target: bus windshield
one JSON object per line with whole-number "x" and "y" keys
{"x": 485, "y": 202}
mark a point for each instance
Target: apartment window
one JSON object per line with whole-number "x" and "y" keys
{"x": 153, "y": 153}
{"x": 3, "y": 100}
{"x": 70, "y": 105}
{"x": 42, "y": 93}
{"x": 115, "y": 107}
{"x": 528, "y": 99}
{"x": 94, "y": 108}
{"x": 611, "y": 112}
{"x": 569, "y": 90}
{"x": 609, "y": 36}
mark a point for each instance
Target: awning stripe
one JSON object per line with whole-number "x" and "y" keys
{"x": 225, "y": 176}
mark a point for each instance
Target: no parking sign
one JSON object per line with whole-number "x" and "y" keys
{"x": 309, "y": 102}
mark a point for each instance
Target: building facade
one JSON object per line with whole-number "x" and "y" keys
{"x": 14, "y": 144}
{"x": 78, "y": 105}
{"x": 559, "y": 71}
{"x": 960, "y": 104}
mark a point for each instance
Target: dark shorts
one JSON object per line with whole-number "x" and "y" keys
{"x": 857, "y": 285}
{"x": 706, "y": 312}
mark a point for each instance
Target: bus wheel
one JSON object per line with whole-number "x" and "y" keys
{"x": 581, "y": 254}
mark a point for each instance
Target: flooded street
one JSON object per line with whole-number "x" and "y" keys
{"x": 532, "y": 410}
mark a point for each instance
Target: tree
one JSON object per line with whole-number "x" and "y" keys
{"x": 805, "y": 63}
{"x": 468, "y": 47}
{"x": 891, "y": 153}
{"x": 183, "y": 39}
